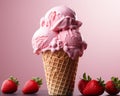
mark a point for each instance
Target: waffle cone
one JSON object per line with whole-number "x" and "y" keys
{"x": 60, "y": 72}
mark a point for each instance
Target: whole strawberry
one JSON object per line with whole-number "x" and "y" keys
{"x": 83, "y": 82}
{"x": 10, "y": 85}
{"x": 32, "y": 86}
{"x": 112, "y": 87}
{"x": 94, "y": 87}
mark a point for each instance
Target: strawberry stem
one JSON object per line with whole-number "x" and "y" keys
{"x": 37, "y": 80}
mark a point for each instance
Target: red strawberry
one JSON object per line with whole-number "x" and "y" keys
{"x": 10, "y": 85}
{"x": 112, "y": 87}
{"x": 94, "y": 87}
{"x": 32, "y": 86}
{"x": 83, "y": 82}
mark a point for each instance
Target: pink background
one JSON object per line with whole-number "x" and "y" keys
{"x": 19, "y": 19}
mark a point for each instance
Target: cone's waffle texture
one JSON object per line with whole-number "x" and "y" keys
{"x": 60, "y": 72}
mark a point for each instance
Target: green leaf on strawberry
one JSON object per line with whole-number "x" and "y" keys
{"x": 14, "y": 80}
{"x": 101, "y": 82}
{"x": 116, "y": 81}
{"x": 86, "y": 78}
{"x": 37, "y": 80}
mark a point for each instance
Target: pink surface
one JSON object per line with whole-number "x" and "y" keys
{"x": 19, "y": 19}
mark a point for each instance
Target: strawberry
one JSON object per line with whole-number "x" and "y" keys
{"x": 10, "y": 85}
{"x": 94, "y": 87}
{"x": 83, "y": 82}
{"x": 112, "y": 87}
{"x": 32, "y": 86}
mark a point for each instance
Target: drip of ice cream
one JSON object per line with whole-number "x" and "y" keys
{"x": 59, "y": 29}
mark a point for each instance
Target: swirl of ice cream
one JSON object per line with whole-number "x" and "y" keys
{"x": 59, "y": 29}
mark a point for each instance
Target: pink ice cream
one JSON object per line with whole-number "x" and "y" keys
{"x": 59, "y": 29}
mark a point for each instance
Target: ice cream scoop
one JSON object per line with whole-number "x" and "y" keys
{"x": 59, "y": 29}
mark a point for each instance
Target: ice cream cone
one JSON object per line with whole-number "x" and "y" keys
{"x": 60, "y": 72}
